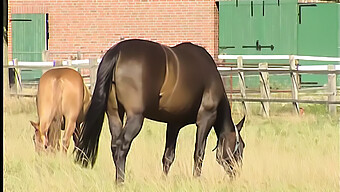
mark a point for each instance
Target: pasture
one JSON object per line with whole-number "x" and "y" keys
{"x": 283, "y": 153}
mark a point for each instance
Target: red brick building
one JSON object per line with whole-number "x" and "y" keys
{"x": 93, "y": 26}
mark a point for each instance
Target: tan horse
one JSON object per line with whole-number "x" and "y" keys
{"x": 62, "y": 101}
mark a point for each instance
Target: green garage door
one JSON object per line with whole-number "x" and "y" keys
{"x": 29, "y": 41}
{"x": 271, "y": 23}
{"x": 318, "y": 35}
{"x": 280, "y": 27}
{"x": 257, "y": 27}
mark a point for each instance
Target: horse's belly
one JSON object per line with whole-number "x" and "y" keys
{"x": 175, "y": 102}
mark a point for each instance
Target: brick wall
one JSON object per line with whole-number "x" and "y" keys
{"x": 95, "y": 25}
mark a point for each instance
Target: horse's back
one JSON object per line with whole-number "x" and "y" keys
{"x": 195, "y": 73}
{"x": 197, "y": 60}
{"x": 164, "y": 82}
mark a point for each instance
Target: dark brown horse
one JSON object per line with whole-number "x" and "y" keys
{"x": 177, "y": 85}
{"x": 62, "y": 101}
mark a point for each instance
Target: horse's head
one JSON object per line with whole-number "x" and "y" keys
{"x": 40, "y": 139}
{"x": 230, "y": 147}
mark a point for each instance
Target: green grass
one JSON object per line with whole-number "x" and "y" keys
{"x": 283, "y": 153}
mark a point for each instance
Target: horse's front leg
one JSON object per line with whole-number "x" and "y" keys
{"x": 121, "y": 148}
{"x": 170, "y": 145}
{"x": 205, "y": 120}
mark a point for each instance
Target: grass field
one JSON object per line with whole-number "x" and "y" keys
{"x": 283, "y": 153}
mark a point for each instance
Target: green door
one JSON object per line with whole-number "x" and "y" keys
{"x": 29, "y": 41}
{"x": 318, "y": 35}
{"x": 257, "y": 27}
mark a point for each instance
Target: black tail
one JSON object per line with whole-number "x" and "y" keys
{"x": 86, "y": 151}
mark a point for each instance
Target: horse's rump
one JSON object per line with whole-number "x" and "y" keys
{"x": 60, "y": 102}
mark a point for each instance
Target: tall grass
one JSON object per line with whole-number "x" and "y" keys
{"x": 283, "y": 153}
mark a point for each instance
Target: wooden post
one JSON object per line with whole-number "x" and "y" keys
{"x": 242, "y": 83}
{"x": 5, "y": 71}
{"x": 69, "y": 62}
{"x": 78, "y": 55}
{"x": 264, "y": 89}
{"x": 45, "y": 55}
{"x": 17, "y": 86}
{"x": 231, "y": 88}
{"x": 58, "y": 63}
{"x": 331, "y": 89}
{"x": 93, "y": 72}
{"x": 294, "y": 78}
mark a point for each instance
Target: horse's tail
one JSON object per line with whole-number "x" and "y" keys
{"x": 86, "y": 151}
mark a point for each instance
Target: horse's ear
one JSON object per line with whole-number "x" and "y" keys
{"x": 35, "y": 125}
{"x": 240, "y": 124}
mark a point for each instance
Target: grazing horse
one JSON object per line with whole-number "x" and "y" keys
{"x": 62, "y": 101}
{"x": 177, "y": 85}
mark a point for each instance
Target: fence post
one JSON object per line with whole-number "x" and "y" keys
{"x": 93, "y": 71}
{"x": 331, "y": 89}
{"x": 231, "y": 88}
{"x": 225, "y": 84}
{"x": 294, "y": 78}
{"x": 69, "y": 62}
{"x": 45, "y": 55}
{"x": 58, "y": 63}
{"x": 5, "y": 71}
{"x": 78, "y": 55}
{"x": 242, "y": 83}
{"x": 264, "y": 89}
{"x": 17, "y": 75}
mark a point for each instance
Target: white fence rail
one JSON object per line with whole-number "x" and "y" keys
{"x": 292, "y": 68}
{"x": 263, "y": 70}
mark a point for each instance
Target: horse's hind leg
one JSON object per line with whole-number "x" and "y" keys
{"x": 70, "y": 127}
{"x": 115, "y": 114}
{"x": 115, "y": 125}
{"x": 76, "y": 134}
{"x": 54, "y": 134}
{"x": 169, "y": 152}
{"x": 132, "y": 128}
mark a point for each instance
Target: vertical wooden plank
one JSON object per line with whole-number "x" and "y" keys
{"x": 17, "y": 87}
{"x": 5, "y": 63}
{"x": 264, "y": 89}
{"x": 242, "y": 83}
{"x": 332, "y": 89}
{"x": 93, "y": 72}
{"x": 45, "y": 55}
{"x": 78, "y": 55}
{"x": 294, "y": 79}
{"x": 69, "y": 62}
{"x": 231, "y": 89}
{"x": 58, "y": 63}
